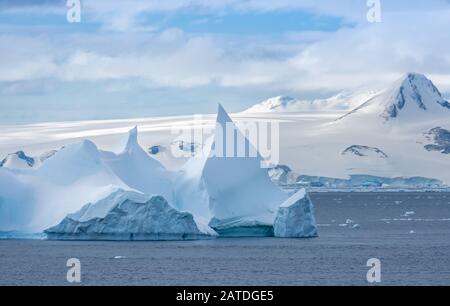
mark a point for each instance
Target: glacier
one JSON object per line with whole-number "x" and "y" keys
{"x": 345, "y": 100}
{"x": 286, "y": 178}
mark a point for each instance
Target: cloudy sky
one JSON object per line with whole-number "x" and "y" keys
{"x": 144, "y": 58}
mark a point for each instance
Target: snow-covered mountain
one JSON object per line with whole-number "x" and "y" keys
{"x": 367, "y": 147}
{"x": 401, "y": 132}
{"x": 20, "y": 160}
{"x": 343, "y": 101}
{"x": 413, "y": 97}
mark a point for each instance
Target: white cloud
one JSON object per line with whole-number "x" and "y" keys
{"x": 368, "y": 54}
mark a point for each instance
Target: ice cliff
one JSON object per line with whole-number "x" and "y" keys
{"x": 129, "y": 215}
{"x": 295, "y": 217}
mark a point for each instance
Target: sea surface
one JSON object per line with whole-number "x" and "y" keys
{"x": 409, "y": 232}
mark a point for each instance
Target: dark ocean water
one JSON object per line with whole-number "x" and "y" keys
{"x": 408, "y": 232}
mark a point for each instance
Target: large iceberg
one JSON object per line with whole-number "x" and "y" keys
{"x": 234, "y": 191}
{"x": 132, "y": 196}
{"x": 138, "y": 170}
{"x": 295, "y": 217}
{"x": 129, "y": 215}
{"x": 33, "y": 199}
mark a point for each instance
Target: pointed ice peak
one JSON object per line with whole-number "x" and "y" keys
{"x": 230, "y": 141}
{"x": 222, "y": 116}
{"x": 132, "y": 139}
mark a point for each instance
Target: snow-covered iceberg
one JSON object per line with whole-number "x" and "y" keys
{"x": 33, "y": 199}
{"x": 129, "y": 215}
{"x": 295, "y": 217}
{"x": 138, "y": 170}
{"x": 234, "y": 191}
{"x": 132, "y": 196}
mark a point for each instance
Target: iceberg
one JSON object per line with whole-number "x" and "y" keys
{"x": 235, "y": 192}
{"x": 138, "y": 170}
{"x": 129, "y": 215}
{"x": 295, "y": 217}
{"x": 132, "y": 196}
{"x": 31, "y": 199}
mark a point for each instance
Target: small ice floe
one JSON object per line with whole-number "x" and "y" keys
{"x": 119, "y": 257}
{"x": 398, "y": 202}
{"x": 412, "y": 232}
{"x": 409, "y": 213}
{"x": 350, "y": 223}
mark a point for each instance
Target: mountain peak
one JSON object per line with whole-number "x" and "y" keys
{"x": 409, "y": 75}
{"x": 222, "y": 116}
{"x": 411, "y": 97}
{"x": 414, "y": 91}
